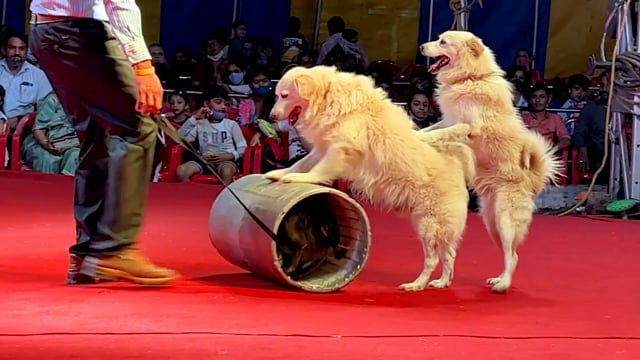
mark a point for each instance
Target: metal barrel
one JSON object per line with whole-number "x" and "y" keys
{"x": 240, "y": 240}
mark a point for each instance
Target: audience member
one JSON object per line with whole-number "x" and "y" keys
{"x": 578, "y": 86}
{"x": 549, "y": 125}
{"x": 293, "y": 42}
{"x": 419, "y": 109}
{"x": 238, "y": 45}
{"x": 258, "y": 106}
{"x": 219, "y": 139}
{"x": 207, "y": 71}
{"x": 179, "y": 108}
{"x": 524, "y": 59}
{"x": 233, "y": 77}
{"x": 338, "y": 45}
{"x": 521, "y": 80}
{"x": 24, "y": 83}
{"x": 588, "y": 136}
{"x": 161, "y": 65}
{"x": 53, "y": 146}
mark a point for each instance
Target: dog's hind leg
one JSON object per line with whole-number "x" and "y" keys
{"x": 512, "y": 213}
{"x": 450, "y": 237}
{"x": 428, "y": 231}
{"x": 448, "y": 256}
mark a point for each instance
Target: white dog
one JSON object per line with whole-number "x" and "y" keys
{"x": 360, "y": 136}
{"x": 513, "y": 163}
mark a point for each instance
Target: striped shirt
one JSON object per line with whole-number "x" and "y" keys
{"x": 123, "y": 15}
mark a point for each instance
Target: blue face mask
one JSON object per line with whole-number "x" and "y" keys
{"x": 218, "y": 115}
{"x": 261, "y": 91}
{"x": 236, "y": 78}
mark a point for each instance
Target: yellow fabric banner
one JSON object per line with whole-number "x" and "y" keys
{"x": 575, "y": 30}
{"x": 150, "y": 10}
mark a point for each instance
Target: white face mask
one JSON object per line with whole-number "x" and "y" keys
{"x": 217, "y": 57}
{"x": 236, "y": 78}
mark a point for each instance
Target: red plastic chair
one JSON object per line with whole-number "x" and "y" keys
{"x": 385, "y": 67}
{"x": 405, "y": 74}
{"x": 577, "y": 176}
{"x": 565, "y": 166}
{"x": 26, "y": 122}
{"x": 232, "y": 113}
{"x": 3, "y": 151}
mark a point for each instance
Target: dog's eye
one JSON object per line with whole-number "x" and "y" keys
{"x": 284, "y": 94}
{"x": 443, "y": 42}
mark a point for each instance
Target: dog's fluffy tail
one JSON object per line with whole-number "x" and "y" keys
{"x": 539, "y": 158}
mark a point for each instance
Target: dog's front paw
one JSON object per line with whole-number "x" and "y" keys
{"x": 275, "y": 175}
{"x": 302, "y": 178}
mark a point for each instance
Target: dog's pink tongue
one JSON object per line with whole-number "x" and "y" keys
{"x": 433, "y": 67}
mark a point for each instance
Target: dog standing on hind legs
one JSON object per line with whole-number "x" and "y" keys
{"x": 513, "y": 163}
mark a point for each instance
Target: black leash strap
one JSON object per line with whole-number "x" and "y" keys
{"x": 171, "y": 132}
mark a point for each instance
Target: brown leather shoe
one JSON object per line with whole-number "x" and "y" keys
{"x": 127, "y": 264}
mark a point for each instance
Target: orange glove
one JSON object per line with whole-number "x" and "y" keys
{"x": 150, "y": 90}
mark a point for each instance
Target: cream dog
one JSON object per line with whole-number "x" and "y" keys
{"x": 513, "y": 164}
{"x": 360, "y": 136}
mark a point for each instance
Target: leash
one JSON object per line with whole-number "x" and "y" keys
{"x": 172, "y": 133}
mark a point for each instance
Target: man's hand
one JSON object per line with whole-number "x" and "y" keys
{"x": 202, "y": 113}
{"x": 150, "y": 90}
{"x": 583, "y": 160}
{"x": 50, "y": 148}
{"x": 219, "y": 157}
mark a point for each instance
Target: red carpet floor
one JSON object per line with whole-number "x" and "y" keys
{"x": 575, "y": 296}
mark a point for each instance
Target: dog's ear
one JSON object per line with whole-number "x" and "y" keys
{"x": 306, "y": 86}
{"x": 475, "y": 46}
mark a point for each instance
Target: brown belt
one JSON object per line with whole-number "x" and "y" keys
{"x": 46, "y": 19}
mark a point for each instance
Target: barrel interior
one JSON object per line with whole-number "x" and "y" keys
{"x": 323, "y": 242}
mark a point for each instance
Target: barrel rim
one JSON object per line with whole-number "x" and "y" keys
{"x": 319, "y": 191}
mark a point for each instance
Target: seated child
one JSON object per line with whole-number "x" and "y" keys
{"x": 578, "y": 86}
{"x": 219, "y": 139}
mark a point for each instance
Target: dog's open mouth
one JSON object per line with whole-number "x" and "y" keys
{"x": 294, "y": 115}
{"x": 441, "y": 61}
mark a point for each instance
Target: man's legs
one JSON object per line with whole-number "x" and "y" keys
{"x": 96, "y": 86}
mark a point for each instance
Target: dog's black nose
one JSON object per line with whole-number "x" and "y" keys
{"x": 273, "y": 117}
{"x": 421, "y": 47}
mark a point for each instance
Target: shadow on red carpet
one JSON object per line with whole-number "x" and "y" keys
{"x": 575, "y": 293}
